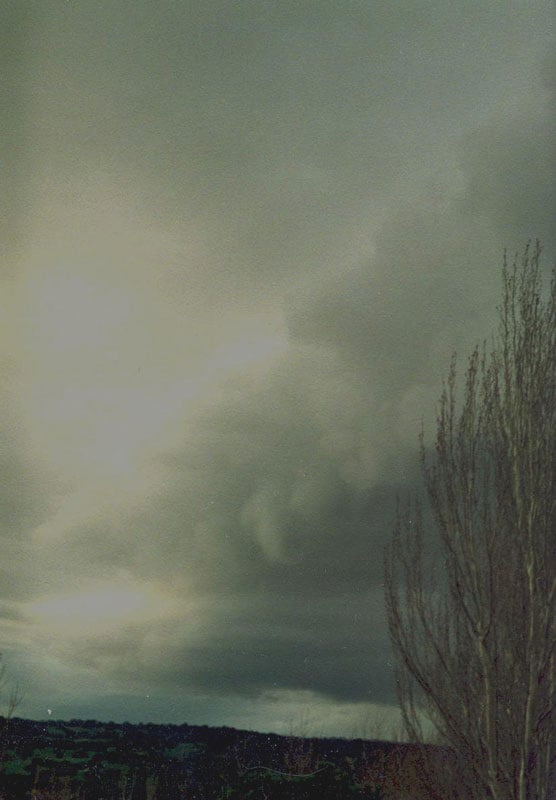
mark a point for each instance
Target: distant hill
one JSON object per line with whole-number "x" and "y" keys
{"x": 90, "y": 760}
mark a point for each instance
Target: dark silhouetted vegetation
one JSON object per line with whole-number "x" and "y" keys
{"x": 88, "y": 760}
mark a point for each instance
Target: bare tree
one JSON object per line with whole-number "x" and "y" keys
{"x": 13, "y": 701}
{"x": 471, "y": 575}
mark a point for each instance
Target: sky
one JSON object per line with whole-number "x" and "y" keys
{"x": 239, "y": 243}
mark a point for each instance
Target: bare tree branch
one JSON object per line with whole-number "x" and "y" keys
{"x": 475, "y": 638}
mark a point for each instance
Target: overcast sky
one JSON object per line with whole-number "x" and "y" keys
{"x": 240, "y": 241}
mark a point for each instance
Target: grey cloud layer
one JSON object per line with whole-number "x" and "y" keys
{"x": 359, "y": 170}
{"x": 25, "y": 502}
{"x": 284, "y": 494}
{"x": 275, "y": 130}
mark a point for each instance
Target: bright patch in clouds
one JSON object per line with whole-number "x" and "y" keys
{"x": 103, "y": 606}
{"x": 111, "y": 369}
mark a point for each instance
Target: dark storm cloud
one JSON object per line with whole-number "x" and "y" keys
{"x": 511, "y": 170}
{"x": 434, "y": 282}
{"x": 15, "y": 28}
{"x": 249, "y": 644}
{"x": 273, "y": 520}
{"x": 271, "y": 486}
{"x": 25, "y": 500}
{"x": 356, "y": 168}
{"x": 273, "y": 538}
{"x": 277, "y": 131}
{"x": 324, "y": 644}
{"x": 284, "y": 494}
